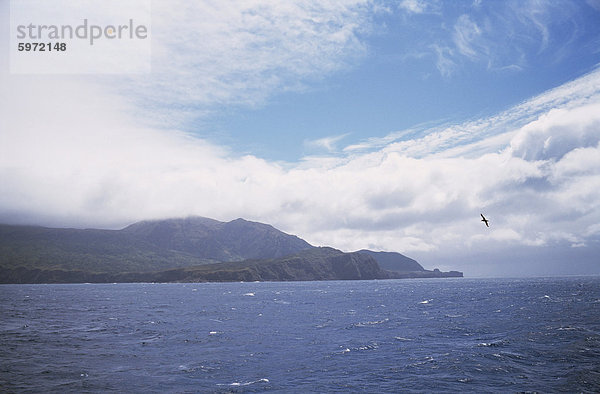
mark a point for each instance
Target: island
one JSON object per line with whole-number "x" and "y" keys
{"x": 193, "y": 249}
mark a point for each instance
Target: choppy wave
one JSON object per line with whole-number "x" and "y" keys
{"x": 368, "y": 336}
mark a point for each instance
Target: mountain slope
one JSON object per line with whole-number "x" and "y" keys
{"x": 74, "y": 249}
{"x": 311, "y": 264}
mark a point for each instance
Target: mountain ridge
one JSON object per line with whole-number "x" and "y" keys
{"x": 236, "y": 240}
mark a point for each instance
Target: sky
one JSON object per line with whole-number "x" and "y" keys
{"x": 387, "y": 125}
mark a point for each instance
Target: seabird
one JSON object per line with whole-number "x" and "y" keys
{"x": 483, "y": 219}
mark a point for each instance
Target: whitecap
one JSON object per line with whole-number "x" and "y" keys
{"x": 428, "y": 359}
{"x": 250, "y": 294}
{"x": 425, "y": 302}
{"x": 237, "y": 384}
{"x": 371, "y": 323}
{"x": 492, "y": 344}
{"x": 368, "y": 347}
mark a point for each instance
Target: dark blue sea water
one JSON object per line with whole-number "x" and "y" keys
{"x": 449, "y": 335}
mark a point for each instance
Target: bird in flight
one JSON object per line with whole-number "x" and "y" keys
{"x": 483, "y": 219}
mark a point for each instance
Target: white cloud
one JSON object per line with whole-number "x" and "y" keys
{"x": 508, "y": 36}
{"x": 445, "y": 63}
{"x": 558, "y": 132}
{"x": 327, "y": 143}
{"x": 466, "y": 32}
{"x": 577, "y": 100}
{"x": 414, "y": 6}
{"x": 580, "y": 161}
{"x": 210, "y": 54}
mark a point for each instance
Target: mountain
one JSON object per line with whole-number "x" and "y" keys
{"x": 393, "y": 261}
{"x": 210, "y": 239}
{"x": 144, "y": 246}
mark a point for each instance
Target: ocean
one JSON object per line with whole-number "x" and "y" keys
{"x": 413, "y": 335}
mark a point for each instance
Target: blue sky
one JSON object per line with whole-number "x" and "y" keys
{"x": 356, "y": 124}
{"x": 399, "y": 80}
